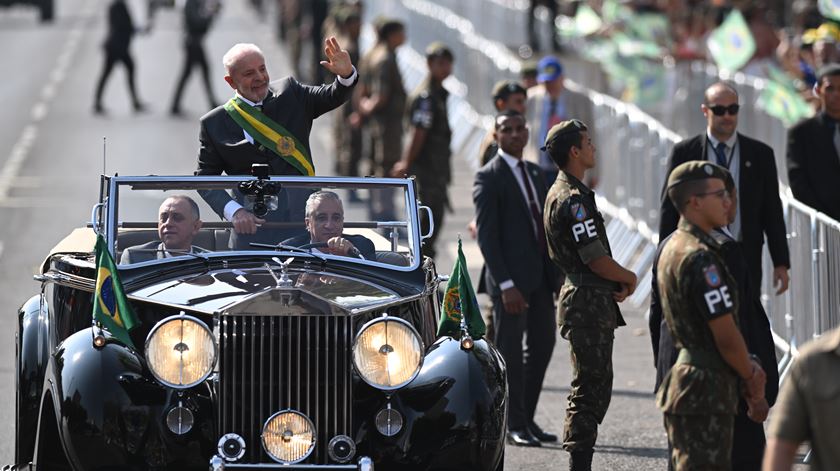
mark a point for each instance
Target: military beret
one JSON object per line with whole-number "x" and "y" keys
{"x": 506, "y": 88}
{"x": 439, "y": 49}
{"x": 561, "y": 129}
{"x": 529, "y": 67}
{"x": 346, "y": 13}
{"x": 696, "y": 170}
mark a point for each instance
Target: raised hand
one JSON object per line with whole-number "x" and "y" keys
{"x": 338, "y": 60}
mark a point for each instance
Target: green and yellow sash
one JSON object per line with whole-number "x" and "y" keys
{"x": 270, "y": 134}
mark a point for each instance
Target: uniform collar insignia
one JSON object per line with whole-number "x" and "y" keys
{"x": 572, "y": 180}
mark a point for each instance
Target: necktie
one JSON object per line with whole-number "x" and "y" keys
{"x": 535, "y": 211}
{"x": 837, "y": 138}
{"x": 720, "y": 152}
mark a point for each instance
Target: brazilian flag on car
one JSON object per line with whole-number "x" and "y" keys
{"x": 110, "y": 306}
{"x": 459, "y": 303}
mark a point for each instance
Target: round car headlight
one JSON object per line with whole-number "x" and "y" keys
{"x": 180, "y": 351}
{"x": 288, "y": 437}
{"x": 388, "y": 353}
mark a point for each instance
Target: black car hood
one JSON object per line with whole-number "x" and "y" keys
{"x": 256, "y": 292}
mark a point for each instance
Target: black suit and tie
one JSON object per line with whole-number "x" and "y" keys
{"x": 813, "y": 164}
{"x": 512, "y": 241}
{"x": 225, "y": 149}
{"x": 759, "y": 205}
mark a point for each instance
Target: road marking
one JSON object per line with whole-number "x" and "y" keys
{"x": 20, "y": 150}
{"x": 1, "y": 248}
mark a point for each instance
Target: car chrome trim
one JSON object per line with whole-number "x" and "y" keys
{"x": 218, "y": 464}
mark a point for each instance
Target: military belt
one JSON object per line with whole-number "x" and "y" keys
{"x": 700, "y": 359}
{"x": 590, "y": 280}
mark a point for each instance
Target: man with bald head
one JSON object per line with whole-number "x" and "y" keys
{"x": 753, "y": 168}
{"x": 263, "y": 125}
{"x": 178, "y": 223}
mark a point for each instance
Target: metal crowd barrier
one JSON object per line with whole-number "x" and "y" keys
{"x": 633, "y": 148}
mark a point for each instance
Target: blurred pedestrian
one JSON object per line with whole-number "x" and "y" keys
{"x": 507, "y": 95}
{"x": 509, "y": 195}
{"x": 699, "y": 395}
{"x": 813, "y": 152}
{"x": 198, "y": 16}
{"x": 346, "y": 126}
{"x": 533, "y": 36}
{"x": 549, "y": 103}
{"x": 748, "y": 435}
{"x": 528, "y": 74}
{"x": 808, "y": 408}
{"x": 230, "y": 143}
{"x": 382, "y": 106}
{"x": 121, "y": 30}
{"x": 753, "y": 167}
{"x": 588, "y": 311}
{"x": 428, "y": 153}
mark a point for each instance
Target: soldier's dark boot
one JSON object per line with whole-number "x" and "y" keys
{"x": 580, "y": 460}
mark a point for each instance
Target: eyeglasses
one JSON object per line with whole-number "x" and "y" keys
{"x": 719, "y": 110}
{"x": 722, "y": 194}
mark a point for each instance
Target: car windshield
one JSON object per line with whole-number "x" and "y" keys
{"x": 358, "y": 220}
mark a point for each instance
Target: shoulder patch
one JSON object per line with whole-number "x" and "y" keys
{"x": 578, "y": 211}
{"x": 710, "y": 273}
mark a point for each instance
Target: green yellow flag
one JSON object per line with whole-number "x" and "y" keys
{"x": 830, "y": 9}
{"x": 783, "y": 103}
{"x": 732, "y": 44}
{"x": 459, "y": 302}
{"x": 110, "y": 306}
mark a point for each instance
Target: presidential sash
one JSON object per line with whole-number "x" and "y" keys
{"x": 270, "y": 134}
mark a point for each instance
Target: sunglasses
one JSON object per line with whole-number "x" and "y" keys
{"x": 722, "y": 194}
{"x": 719, "y": 110}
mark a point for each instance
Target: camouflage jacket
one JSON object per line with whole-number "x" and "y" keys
{"x": 427, "y": 110}
{"x": 576, "y": 236}
{"x": 695, "y": 288}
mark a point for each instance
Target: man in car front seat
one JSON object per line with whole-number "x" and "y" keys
{"x": 178, "y": 222}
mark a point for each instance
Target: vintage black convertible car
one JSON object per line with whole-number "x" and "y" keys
{"x": 261, "y": 356}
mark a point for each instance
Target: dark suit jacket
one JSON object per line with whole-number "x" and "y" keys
{"x": 758, "y": 200}
{"x": 365, "y": 245}
{"x": 505, "y": 230}
{"x": 814, "y": 166}
{"x": 144, "y": 252}
{"x": 752, "y": 320}
{"x": 224, "y": 148}
{"x": 120, "y": 28}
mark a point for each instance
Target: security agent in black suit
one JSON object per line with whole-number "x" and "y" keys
{"x": 509, "y": 195}
{"x": 227, "y": 148}
{"x": 813, "y": 149}
{"x": 325, "y": 225}
{"x": 121, "y": 31}
{"x": 754, "y": 169}
{"x": 748, "y": 437}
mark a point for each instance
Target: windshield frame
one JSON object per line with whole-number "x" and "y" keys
{"x": 113, "y": 185}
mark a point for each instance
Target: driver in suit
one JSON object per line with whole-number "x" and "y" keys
{"x": 178, "y": 222}
{"x": 262, "y": 126}
{"x": 325, "y": 229}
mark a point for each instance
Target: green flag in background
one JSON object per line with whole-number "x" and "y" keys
{"x": 732, "y": 44}
{"x": 459, "y": 303}
{"x": 585, "y": 22}
{"x": 830, "y": 9}
{"x": 783, "y": 103}
{"x": 110, "y": 306}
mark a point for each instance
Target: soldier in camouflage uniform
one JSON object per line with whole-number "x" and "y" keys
{"x": 699, "y": 396}
{"x": 588, "y": 309}
{"x": 427, "y": 156}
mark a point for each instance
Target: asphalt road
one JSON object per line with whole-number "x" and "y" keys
{"x": 51, "y": 156}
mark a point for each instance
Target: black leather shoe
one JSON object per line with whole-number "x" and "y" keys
{"x": 541, "y": 434}
{"x": 522, "y": 438}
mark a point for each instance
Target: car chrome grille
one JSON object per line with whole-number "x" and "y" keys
{"x": 272, "y": 363}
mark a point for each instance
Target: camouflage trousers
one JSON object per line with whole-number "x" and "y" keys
{"x": 592, "y": 379}
{"x": 700, "y": 441}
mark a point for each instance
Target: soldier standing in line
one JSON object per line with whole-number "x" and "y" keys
{"x": 595, "y": 282}
{"x": 428, "y": 154}
{"x": 699, "y": 396}
{"x": 383, "y": 106}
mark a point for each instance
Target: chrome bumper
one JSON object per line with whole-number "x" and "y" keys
{"x": 363, "y": 464}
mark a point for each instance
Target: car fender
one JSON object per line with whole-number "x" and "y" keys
{"x": 32, "y": 356}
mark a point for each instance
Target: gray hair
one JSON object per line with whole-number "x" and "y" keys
{"x": 236, "y": 52}
{"x": 192, "y": 203}
{"x": 319, "y": 196}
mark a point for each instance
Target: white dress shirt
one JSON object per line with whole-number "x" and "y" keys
{"x": 513, "y": 163}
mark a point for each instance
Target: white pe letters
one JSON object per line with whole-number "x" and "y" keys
{"x": 717, "y": 296}
{"x": 586, "y": 227}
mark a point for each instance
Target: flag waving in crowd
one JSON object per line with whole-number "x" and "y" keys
{"x": 110, "y": 306}
{"x": 459, "y": 302}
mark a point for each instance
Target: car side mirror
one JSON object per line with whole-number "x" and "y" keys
{"x": 431, "y": 222}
